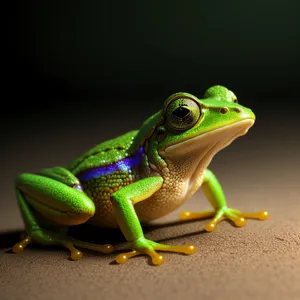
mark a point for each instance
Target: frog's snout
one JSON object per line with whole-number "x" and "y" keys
{"x": 225, "y": 110}
{"x": 245, "y": 113}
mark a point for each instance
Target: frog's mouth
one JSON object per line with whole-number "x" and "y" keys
{"x": 203, "y": 143}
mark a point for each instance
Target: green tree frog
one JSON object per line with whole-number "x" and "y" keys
{"x": 138, "y": 177}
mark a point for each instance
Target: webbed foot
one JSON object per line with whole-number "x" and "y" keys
{"x": 147, "y": 247}
{"x": 236, "y": 216}
{"x": 47, "y": 238}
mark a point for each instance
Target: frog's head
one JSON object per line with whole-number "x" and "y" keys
{"x": 188, "y": 127}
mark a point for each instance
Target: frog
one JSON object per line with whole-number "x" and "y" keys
{"x": 138, "y": 177}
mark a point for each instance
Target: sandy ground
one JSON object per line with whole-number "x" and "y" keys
{"x": 258, "y": 261}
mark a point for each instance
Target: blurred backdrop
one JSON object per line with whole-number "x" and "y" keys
{"x": 79, "y": 72}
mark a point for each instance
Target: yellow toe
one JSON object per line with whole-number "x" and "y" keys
{"x": 190, "y": 249}
{"x": 185, "y": 215}
{"x": 210, "y": 227}
{"x": 19, "y": 247}
{"x": 263, "y": 215}
{"x": 121, "y": 258}
{"x": 239, "y": 222}
{"x": 76, "y": 255}
{"x": 107, "y": 248}
{"x": 158, "y": 260}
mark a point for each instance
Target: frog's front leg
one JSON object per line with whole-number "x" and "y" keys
{"x": 123, "y": 202}
{"x": 214, "y": 193}
{"x": 56, "y": 196}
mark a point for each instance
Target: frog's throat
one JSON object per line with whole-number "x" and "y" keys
{"x": 190, "y": 158}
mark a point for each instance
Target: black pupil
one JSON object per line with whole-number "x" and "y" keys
{"x": 181, "y": 112}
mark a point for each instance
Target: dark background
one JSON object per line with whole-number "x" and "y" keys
{"x": 98, "y": 58}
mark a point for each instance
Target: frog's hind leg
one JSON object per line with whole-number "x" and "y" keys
{"x": 63, "y": 205}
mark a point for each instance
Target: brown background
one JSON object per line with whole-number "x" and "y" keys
{"x": 80, "y": 72}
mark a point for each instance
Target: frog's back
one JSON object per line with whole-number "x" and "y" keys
{"x": 104, "y": 154}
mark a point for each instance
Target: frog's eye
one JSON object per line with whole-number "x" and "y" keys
{"x": 182, "y": 114}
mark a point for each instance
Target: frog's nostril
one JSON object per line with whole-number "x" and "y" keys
{"x": 224, "y": 110}
{"x": 238, "y": 109}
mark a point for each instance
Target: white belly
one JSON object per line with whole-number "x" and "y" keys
{"x": 173, "y": 194}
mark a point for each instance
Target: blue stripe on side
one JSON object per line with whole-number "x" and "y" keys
{"x": 125, "y": 165}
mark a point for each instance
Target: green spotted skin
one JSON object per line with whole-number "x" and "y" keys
{"x": 100, "y": 191}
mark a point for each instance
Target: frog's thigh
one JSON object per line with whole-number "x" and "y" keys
{"x": 54, "y": 200}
